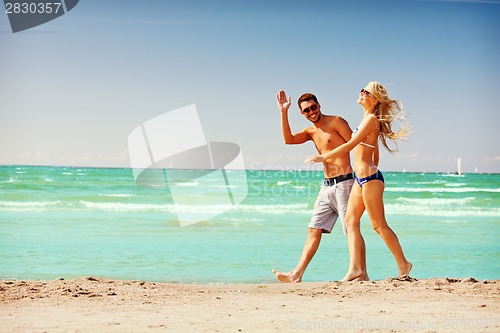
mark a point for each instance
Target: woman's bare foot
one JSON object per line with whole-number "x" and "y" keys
{"x": 405, "y": 270}
{"x": 357, "y": 275}
{"x": 287, "y": 277}
{"x": 362, "y": 277}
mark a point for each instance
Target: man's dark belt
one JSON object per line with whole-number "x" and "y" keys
{"x": 338, "y": 179}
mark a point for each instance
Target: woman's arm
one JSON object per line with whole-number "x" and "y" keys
{"x": 367, "y": 126}
{"x": 376, "y": 156}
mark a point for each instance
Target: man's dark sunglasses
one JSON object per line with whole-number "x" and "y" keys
{"x": 311, "y": 108}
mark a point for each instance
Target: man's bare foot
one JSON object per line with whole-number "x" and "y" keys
{"x": 406, "y": 269}
{"x": 356, "y": 276}
{"x": 287, "y": 277}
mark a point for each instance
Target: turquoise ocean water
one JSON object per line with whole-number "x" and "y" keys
{"x": 73, "y": 222}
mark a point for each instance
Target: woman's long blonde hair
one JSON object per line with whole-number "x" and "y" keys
{"x": 388, "y": 110}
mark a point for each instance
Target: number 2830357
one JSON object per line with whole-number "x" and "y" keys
{"x": 32, "y": 8}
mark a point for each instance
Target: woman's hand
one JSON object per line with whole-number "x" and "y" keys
{"x": 314, "y": 159}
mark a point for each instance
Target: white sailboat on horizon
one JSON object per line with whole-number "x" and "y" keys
{"x": 459, "y": 166}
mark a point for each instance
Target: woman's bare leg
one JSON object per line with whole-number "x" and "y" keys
{"x": 357, "y": 251}
{"x": 373, "y": 200}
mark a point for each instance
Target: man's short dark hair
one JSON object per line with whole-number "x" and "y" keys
{"x": 307, "y": 97}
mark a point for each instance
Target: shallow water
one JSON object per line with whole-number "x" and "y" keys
{"x": 71, "y": 222}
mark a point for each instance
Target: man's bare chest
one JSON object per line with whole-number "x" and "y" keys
{"x": 326, "y": 140}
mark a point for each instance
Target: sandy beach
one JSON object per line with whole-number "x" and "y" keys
{"x": 394, "y": 305}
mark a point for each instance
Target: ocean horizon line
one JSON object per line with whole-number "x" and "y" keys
{"x": 269, "y": 169}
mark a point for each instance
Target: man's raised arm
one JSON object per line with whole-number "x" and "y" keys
{"x": 288, "y": 137}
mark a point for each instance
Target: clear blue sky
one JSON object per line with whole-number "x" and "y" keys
{"x": 73, "y": 89}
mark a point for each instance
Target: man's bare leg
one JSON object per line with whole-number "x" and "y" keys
{"x": 308, "y": 252}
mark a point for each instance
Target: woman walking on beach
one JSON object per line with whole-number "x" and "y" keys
{"x": 367, "y": 193}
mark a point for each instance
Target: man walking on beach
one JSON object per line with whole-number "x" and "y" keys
{"x": 327, "y": 133}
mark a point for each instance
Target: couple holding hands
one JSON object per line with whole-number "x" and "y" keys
{"x": 346, "y": 194}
